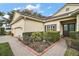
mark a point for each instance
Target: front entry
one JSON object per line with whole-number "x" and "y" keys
{"x": 67, "y": 28}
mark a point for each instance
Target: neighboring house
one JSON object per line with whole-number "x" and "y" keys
{"x": 5, "y": 25}
{"x": 64, "y": 20}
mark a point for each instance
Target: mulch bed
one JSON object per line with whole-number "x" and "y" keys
{"x": 38, "y": 46}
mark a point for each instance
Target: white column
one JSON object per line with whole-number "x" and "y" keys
{"x": 61, "y": 30}
{"x": 58, "y": 26}
{"x": 77, "y": 22}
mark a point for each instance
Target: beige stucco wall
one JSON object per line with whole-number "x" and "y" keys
{"x": 18, "y": 31}
{"x": 54, "y": 22}
{"x": 77, "y": 24}
{"x": 71, "y": 8}
{"x": 59, "y": 25}
{"x": 33, "y": 26}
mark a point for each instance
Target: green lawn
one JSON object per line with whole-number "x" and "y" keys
{"x": 5, "y": 50}
{"x": 71, "y": 52}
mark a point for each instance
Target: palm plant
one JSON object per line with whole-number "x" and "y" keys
{"x": 11, "y": 14}
{"x": 26, "y": 12}
{"x": 2, "y": 13}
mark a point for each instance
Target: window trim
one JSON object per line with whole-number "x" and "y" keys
{"x": 51, "y": 27}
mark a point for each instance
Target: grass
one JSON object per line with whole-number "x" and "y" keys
{"x": 71, "y": 52}
{"x": 5, "y": 50}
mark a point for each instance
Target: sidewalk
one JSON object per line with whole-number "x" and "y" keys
{"x": 20, "y": 50}
{"x": 58, "y": 50}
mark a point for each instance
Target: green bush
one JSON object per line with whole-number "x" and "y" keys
{"x": 75, "y": 39}
{"x": 74, "y": 35}
{"x": 2, "y": 31}
{"x": 71, "y": 52}
{"x": 26, "y": 36}
{"x": 75, "y": 42}
{"x": 54, "y": 36}
{"x": 40, "y": 36}
{"x": 37, "y": 36}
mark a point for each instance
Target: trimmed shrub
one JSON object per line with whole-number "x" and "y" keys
{"x": 36, "y": 36}
{"x": 74, "y": 40}
{"x": 40, "y": 36}
{"x": 53, "y": 35}
{"x": 73, "y": 43}
{"x": 74, "y": 35}
{"x": 26, "y": 35}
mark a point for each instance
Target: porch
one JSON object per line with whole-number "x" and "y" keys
{"x": 67, "y": 26}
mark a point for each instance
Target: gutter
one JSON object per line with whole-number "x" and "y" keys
{"x": 33, "y": 19}
{"x": 47, "y": 20}
{"x": 58, "y": 18}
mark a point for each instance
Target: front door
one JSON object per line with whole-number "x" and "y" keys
{"x": 67, "y": 28}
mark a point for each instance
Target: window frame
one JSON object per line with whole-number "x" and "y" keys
{"x": 51, "y": 27}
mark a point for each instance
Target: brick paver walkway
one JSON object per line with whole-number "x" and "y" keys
{"x": 58, "y": 50}
{"x": 20, "y": 50}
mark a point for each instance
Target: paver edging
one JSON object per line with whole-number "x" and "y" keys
{"x": 41, "y": 53}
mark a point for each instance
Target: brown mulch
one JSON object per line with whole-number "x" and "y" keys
{"x": 37, "y": 46}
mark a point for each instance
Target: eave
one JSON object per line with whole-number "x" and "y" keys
{"x": 55, "y": 18}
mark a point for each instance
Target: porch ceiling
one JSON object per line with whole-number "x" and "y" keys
{"x": 68, "y": 21}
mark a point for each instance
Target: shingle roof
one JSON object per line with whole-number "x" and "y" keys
{"x": 65, "y": 14}
{"x": 51, "y": 17}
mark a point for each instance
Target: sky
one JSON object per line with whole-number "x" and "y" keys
{"x": 46, "y": 9}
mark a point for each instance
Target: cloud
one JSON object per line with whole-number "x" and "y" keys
{"x": 32, "y": 7}
{"x": 17, "y": 8}
{"x": 35, "y": 8}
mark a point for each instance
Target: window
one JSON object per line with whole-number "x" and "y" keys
{"x": 50, "y": 27}
{"x": 53, "y": 27}
{"x": 65, "y": 27}
{"x": 72, "y": 27}
{"x": 67, "y": 9}
{"x": 45, "y": 28}
{"x": 8, "y": 28}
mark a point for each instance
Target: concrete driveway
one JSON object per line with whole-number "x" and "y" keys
{"x": 17, "y": 47}
{"x": 20, "y": 49}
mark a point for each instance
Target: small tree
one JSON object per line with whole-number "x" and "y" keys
{"x": 2, "y": 31}
{"x": 2, "y": 13}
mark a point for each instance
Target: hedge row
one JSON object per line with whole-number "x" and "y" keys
{"x": 41, "y": 36}
{"x": 74, "y": 34}
{"x": 74, "y": 39}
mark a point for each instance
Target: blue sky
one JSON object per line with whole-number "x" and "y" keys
{"x": 45, "y": 9}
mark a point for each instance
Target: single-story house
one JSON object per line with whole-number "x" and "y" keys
{"x": 64, "y": 20}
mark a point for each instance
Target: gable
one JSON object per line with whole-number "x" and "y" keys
{"x": 16, "y": 15}
{"x": 69, "y": 7}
